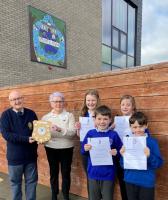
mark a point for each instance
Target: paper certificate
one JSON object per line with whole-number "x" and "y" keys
{"x": 100, "y": 151}
{"x": 122, "y": 126}
{"x": 41, "y": 131}
{"x": 87, "y": 124}
{"x": 134, "y": 156}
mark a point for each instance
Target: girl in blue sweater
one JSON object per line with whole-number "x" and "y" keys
{"x": 140, "y": 183}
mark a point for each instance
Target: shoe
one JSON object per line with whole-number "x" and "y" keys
{"x": 66, "y": 196}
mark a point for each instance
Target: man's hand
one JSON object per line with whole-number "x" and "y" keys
{"x": 31, "y": 140}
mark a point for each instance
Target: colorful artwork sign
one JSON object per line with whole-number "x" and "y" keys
{"x": 47, "y": 38}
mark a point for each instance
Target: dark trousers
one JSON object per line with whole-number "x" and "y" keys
{"x": 62, "y": 157}
{"x": 135, "y": 192}
{"x": 120, "y": 176}
{"x": 85, "y": 165}
{"x": 100, "y": 189}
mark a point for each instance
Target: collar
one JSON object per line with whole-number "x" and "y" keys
{"x": 22, "y": 110}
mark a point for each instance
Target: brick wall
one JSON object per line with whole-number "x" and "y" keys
{"x": 149, "y": 86}
{"x": 83, "y": 39}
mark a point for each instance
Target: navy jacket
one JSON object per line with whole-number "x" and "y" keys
{"x": 16, "y": 130}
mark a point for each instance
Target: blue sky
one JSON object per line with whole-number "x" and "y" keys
{"x": 154, "y": 31}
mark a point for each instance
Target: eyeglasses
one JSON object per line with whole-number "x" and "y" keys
{"x": 57, "y": 101}
{"x": 16, "y": 99}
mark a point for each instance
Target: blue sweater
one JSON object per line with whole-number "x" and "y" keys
{"x": 16, "y": 130}
{"x": 104, "y": 172}
{"x": 146, "y": 178}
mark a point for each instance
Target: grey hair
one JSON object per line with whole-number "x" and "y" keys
{"x": 56, "y": 94}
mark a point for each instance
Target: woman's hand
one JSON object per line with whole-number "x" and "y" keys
{"x": 54, "y": 128}
{"x": 87, "y": 147}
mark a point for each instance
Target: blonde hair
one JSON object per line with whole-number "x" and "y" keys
{"x": 131, "y": 98}
{"x": 91, "y": 92}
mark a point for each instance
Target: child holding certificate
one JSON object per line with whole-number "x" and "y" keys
{"x": 91, "y": 101}
{"x": 101, "y": 145}
{"x": 127, "y": 107}
{"x": 140, "y": 183}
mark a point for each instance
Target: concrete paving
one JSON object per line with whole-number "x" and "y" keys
{"x": 43, "y": 192}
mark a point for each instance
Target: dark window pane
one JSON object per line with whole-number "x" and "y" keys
{"x": 106, "y": 54}
{"x": 118, "y": 59}
{"x": 115, "y": 68}
{"x": 131, "y": 30}
{"x": 123, "y": 42}
{"x": 120, "y": 14}
{"x": 105, "y": 67}
{"x": 130, "y": 61}
{"x": 115, "y": 38}
{"x": 106, "y": 22}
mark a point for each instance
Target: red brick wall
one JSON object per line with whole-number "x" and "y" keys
{"x": 149, "y": 86}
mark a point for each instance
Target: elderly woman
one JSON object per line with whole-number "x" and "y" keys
{"x": 59, "y": 149}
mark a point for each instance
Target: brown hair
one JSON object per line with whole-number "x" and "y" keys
{"x": 103, "y": 110}
{"x": 131, "y": 98}
{"x": 92, "y": 92}
{"x": 140, "y": 117}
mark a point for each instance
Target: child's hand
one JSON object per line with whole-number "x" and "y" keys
{"x": 87, "y": 147}
{"x": 113, "y": 152}
{"x": 122, "y": 150}
{"x": 112, "y": 126}
{"x": 77, "y": 125}
{"x": 147, "y": 151}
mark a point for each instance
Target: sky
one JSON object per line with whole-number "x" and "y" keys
{"x": 154, "y": 32}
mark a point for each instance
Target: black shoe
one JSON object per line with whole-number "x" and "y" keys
{"x": 66, "y": 196}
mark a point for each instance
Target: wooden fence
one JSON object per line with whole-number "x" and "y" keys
{"x": 149, "y": 86}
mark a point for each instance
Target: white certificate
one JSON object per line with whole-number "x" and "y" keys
{"x": 87, "y": 124}
{"x": 100, "y": 151}
{"x": 122, "y": 126}
{"x": 134, "y": 156}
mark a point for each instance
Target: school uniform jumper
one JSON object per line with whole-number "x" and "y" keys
{"x": 101, "y": 178}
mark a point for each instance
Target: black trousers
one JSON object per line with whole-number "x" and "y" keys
{"x": 56, "y": 158}
{"x": 135, "y": 192}
{"x": 120, "y": 176}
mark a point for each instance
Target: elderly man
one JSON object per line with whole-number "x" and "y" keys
{"x": 16, "y": 124}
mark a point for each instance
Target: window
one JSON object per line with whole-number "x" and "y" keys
{"x": 118, "y": 34}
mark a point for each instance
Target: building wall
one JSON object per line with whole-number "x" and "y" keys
{"x": 83, "y": 37}
{"x": 149, "y": 86}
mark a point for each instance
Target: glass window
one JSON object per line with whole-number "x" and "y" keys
{"x": 106, "y": 54}
{"x": 130, "y": 61}
{"x": 115, "y": 38}
{"x": 106, "y": 22}
{"x": 105, "y": 67}
{"x": 123, "y": 42}
{"x": 118, "y": 34}
{"x": 118, "y": 59}
{"x": 115, "y": 68}
{"x": 131, "y": 30}
{"x": 120, "y": 14}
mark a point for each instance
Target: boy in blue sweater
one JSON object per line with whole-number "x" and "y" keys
{"x": 17, "y": 127}
{"x": 101, "y": 177}
{"x": 140, "y": 183}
